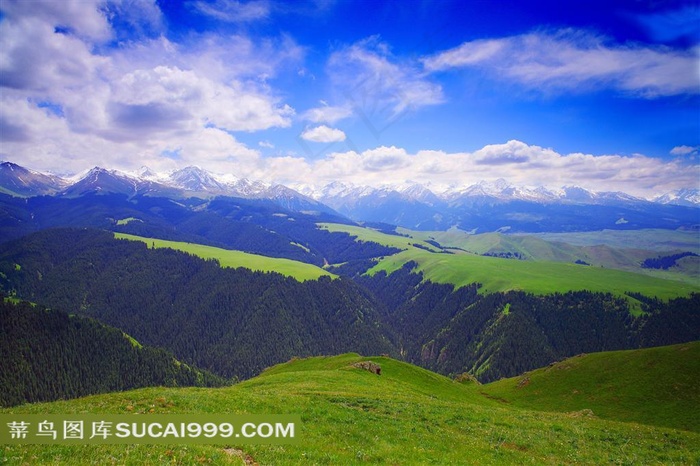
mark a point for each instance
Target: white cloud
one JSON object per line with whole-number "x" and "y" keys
{"x": 384, "y": 159}
{"x": 323, "y": 134}
{"x": 33, "y": 57}
{"x": 570, "y": 59}
{"x": 83, "y": 18}
{"x": 326, "y": 114}
{"x": 515, "y": 161}
{"x": 66, "y": 107}
{"x": 369, "y": 78}
{"x": 232, "y": 11}
{"x": 684, "y": 150}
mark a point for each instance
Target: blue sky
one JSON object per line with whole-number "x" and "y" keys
{"x": 601, "y": 94}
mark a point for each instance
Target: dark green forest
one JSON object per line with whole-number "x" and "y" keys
{"x": 47, "y": 355}
{"x": 235, "y": 322}
{"x": 249, "y": 225}
{"x": 505, "y": 334}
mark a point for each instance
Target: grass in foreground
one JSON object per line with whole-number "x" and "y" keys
{"x": 349, "y": 416}
{"x": 230, "y": 258}
{"x": 657, "y": 386}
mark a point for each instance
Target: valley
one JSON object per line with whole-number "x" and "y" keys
{"x": 321, "y": 232}
{"x": 274, "y": 297}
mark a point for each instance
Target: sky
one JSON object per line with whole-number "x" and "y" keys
{"x": 599, "y": 94}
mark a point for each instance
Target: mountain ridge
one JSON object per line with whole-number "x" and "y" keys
{"x": 484, "y": 206}
{"x": 196, "y": 179}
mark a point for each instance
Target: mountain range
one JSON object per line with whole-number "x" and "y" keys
{"x": 485, "y": 206}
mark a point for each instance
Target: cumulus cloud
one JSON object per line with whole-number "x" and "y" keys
{"x": 326, "y": 114}
{"x": 66, "y": 97}
{"x": 571, "y": 59}
{"x": 83, "y": 18}
{"x": 323, "y": 134}
{"x": 515, "y": 161}
{"x": 384, "y": 159}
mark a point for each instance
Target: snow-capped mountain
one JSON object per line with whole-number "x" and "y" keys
{"x": 484, "y": 206}
{"x": 197, "y": 180}
{"x": 687, "y": 197}
{"x": 500, "y": 205}
{"x": 482, "y": 193}
{"x": 21, "y": 181}
{"x": 187, "y": 182}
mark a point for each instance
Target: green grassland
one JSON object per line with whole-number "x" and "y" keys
{"x": 368, "y": 234}
{"x": 657, "y": 386}
{"x": 497, "y": 274}
{"x": 126, "y": 221}
{"x": 539, "y": 277}
{"x": 652, "y": 239}
{"x": 406, "y": 415}
{"x": 230, "y": 258}
{"x": 609, "y": 249}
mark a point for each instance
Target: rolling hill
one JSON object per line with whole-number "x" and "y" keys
{"x": 441, "y": 263}
{"x": 406, "y": 415}
{"x": 234, "y": 321}
{"x": 656, "y": 386}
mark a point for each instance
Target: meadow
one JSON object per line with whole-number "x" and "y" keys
{"x": 500, "y": 274}
{"x": 406, "y": 415}
{"x": 231, "y": 258}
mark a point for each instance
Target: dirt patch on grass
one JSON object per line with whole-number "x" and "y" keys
{"x": 513, "y": 446}
{"x": 583, "y": 413}
{"x": 249, "y": 460}
{"x": 496, "y": 398}
{"x": 524, "y": 382}
{"x": 369, "y": 366}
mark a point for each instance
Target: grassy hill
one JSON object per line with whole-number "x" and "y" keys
{"x": 406, "y": 415}
{"x": 656, "y": 386}
{"x": 230, "y": 258}
{"x": 498, "y": 274}
{"x": 623, "y": 250}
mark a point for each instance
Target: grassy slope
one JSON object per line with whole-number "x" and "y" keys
{"x": 539, "y": 277}
{"x": 496, "y": 274}
{"x": 405, "y": 416}
{"x": 230, "y": 258}
{"x": 656, "y": 386}
{"x": 624, "y": 251}
{"x": 657, "y": 240}
{"x": 368, "y": 234}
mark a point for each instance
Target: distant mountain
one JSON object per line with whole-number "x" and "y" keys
{"x": 687, "y": 197}
{"x": 481, "y": 207}
{"x": 500, "y": 206}
{"x": 197, "y": 180}
{"x": 19, "y": 181}
{"x": 187, "y": 182}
